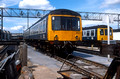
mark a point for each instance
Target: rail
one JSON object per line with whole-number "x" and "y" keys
{"x": 3, "y": 52}
{"x": 3, "y": 62}
{"x": 77, "y": 67}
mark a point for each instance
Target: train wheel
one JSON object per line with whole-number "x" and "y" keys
{"x": 67, "y": 49}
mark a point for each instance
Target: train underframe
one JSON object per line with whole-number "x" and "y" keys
{"x": 59, "y": 48}
{"x": 88, "y": 43}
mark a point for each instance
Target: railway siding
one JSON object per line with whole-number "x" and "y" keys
{"x": 90, "y": 68}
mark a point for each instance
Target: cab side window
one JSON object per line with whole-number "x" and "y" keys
{"x": 101, "y": 32}
{"x": 110, "y": 31}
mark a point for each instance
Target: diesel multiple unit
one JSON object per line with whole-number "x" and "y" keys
{"x": 96, "y": 34}
{"x": 60, "y": 29}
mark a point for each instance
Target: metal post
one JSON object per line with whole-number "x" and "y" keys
{"x": 108, "y": 29}
{"x": 1, "y": 23}
{"x": 2, "y": 19}
{"x": 27, "y": 18}
{"x": 44, "y": 12}
{"x": 118, "y": 20}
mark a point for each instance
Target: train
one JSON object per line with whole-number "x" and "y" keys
{"x": 17, "y": 36}
{"x": 95, "y": 35}
{"x": 58, "y": 31}
{"x": 5, "y": 35}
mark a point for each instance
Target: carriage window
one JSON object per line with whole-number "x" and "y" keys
{"x": 110, "y": 31}
{"x": 84, "y": 33}
{"x": 106, "y": 31}
{"x": 101, "y": 32}
{"x": 88, "y": 33}
{"x": 56, "y": 23}
{"x": 92, "y": 32}
{"x": 65, "y": 23}
{"x": 44, "y": 25}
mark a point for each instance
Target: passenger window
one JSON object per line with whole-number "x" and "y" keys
{"x": 41, "y": 27}
{"x": 92, "y": 32}
{"x": 84, "y": 33}
{"x": 101, "y": 32}
{"x": 44, "y": 26}
{"x": 88, "y": 33}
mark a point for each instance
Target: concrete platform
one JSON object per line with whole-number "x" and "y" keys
{"x": 43, "y": 66}
{"x": 99, "y": 59}
{"x": 1, "y": 46}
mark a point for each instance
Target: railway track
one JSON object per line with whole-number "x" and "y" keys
{"x": 85, "y": 67}
{"x": 88, "y": 51}
{"x": 3, "y": 52}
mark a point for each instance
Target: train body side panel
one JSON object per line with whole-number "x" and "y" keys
{"x": 90, "y": 38}
{"x": 40, "y": 29}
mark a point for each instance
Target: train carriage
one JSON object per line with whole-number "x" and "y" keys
{"x": 96, "y": 34}
{"x": 5, "y": 35}
{"x": 60, "y": 27}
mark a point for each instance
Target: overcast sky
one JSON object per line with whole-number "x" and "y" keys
{"x": 16, "y": 25}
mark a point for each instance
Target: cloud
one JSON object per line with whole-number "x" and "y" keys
{"x": 2, "y": 5}
{"x": 8, "y": 3}
{"x": 112, "y": 11}
{"x": 86, "y": 23}
{"x": 13, "y": 25}
{"x": 107, "y": 3}
{"x": 36, "y": 4}
{"x": 16, "y": 28}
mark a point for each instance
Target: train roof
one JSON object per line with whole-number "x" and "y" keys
{"x": 95, "y": 27}
{"x": 57, "y": 11}
{"x": 64, "y": 12}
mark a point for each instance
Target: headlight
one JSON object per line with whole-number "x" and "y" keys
{"x": 56, "y": 37}
{"x": 77, "y": 38}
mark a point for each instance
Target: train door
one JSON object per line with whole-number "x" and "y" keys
{"x": 105, "y": 34}
{"x": 111, "y": 34}
{"x": 102, "y": 34}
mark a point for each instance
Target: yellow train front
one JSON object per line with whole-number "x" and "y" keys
{"x": 96, "y": 34}
{"x": 58, "y": 30}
